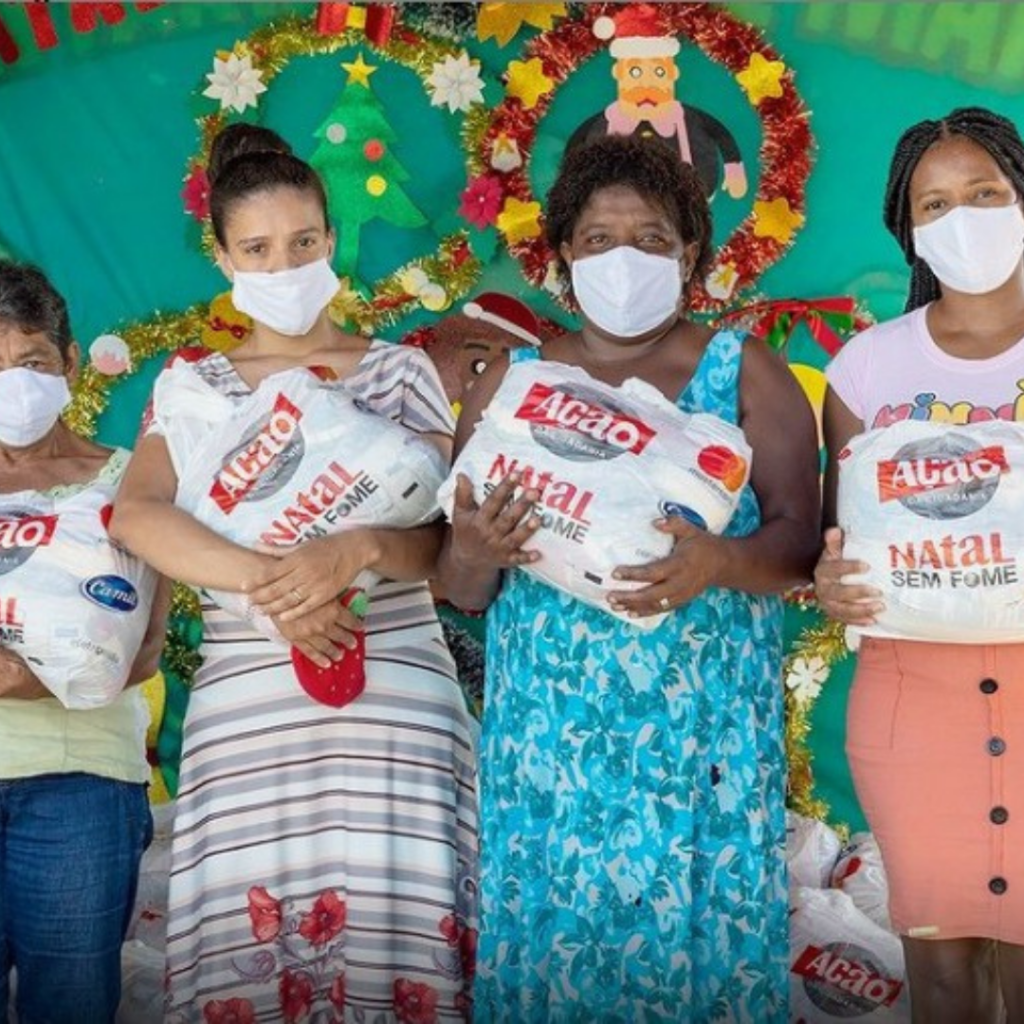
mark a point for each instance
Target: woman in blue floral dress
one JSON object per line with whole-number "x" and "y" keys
{"x": 633, "y": 781}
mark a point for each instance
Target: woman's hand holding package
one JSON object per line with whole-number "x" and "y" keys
{"x": 851, "y": 603}
{"x": 323, "y": 634}
{"x": 494, "y": 532}
{"x": 297, "y": 581}
{"x": 688, "y": 570}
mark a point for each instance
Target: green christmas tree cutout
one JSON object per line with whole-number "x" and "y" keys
{"x": 362, "y": 175}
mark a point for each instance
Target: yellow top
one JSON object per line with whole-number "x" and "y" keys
{"x": 42, "y": 737}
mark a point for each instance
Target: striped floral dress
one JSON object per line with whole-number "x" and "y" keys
{"x": 324, "y": 860}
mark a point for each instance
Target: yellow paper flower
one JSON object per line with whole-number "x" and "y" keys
{"x": 776, "y": 220}
{"x": 503, "y": 21}
{"x": 527, "y": 81}
{"x": 761, "y": 78}
{"x": 519, "y": 221}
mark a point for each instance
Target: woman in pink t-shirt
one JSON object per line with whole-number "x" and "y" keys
{"x": 935, "y": 733}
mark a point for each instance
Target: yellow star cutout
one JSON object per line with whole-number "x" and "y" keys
{"x": 776, "y": 220}
{"x": 503, "y": 21}
{"x": 527, "y": 81}
{"x": 761, "y": 78}
{"x": 518, "y": 220}
{"x": 359, "y": 71}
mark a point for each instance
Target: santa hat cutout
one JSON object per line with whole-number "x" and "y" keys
{"x": 637, "y": 33}
{"x": 505, "y": 312}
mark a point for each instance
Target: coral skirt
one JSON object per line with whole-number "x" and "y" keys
{"x": 935, "y": 741}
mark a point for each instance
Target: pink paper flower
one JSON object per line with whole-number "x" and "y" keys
{"x": 481, "y": 201}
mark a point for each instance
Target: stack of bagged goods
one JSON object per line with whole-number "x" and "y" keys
{"x": 812, "y": 849}
{"x": 299, "y": 458}
{"x": 607, "y": 461}
{"x": 859, "y": 872}
{"x": 73, "y": 604}
{"x": 934, "y": 511}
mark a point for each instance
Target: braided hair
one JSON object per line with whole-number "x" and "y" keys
{"x": 997, "y": 135}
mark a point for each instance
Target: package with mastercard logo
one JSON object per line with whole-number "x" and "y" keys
{"x": 607, "y": 461}
{"x": 298, "y": 458}
{"x": 73, "y": 604}
{"x": 934, "y": 510}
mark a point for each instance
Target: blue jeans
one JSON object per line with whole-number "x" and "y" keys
{"x": 70, "y": 847}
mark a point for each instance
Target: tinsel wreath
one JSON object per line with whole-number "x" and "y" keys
{"x": 785, "y": 153}
{"x": 453, "y": 268}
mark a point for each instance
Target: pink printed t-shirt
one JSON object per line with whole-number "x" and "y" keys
{"x": 894, "y": 371}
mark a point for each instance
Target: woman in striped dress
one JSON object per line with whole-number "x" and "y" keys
{"x": 324, "y": 858}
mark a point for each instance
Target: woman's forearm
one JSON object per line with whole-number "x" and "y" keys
{"x": 405, "y": 555}
{"x": 471, "y": 587}
{"x": 780, "y": 555}
{"x": 181, "y": 548}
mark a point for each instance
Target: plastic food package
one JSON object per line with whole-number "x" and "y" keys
{"x": 73, "y": 604}
{"x": 608, "y": 461}
{"x": 859, "y": 872}
{"x": 811, "y": 851}
{"x": 934, "y": 511}
{"x": 299, "y": 458}
{"x": 842, "y": 966}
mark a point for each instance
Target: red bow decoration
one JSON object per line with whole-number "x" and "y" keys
{"x": 829, "y": 321}
{"x": 376, "y": 20}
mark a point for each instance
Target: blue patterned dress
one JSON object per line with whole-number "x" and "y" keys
{"x": 633, "y": 783}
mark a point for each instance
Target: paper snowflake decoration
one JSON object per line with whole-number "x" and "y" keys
{"x": 806, "y": 676}
{"x": 455, "y": 81}
{"x": 235, "y": 82}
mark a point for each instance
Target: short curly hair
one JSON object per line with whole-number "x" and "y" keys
{"x": 649, "y": 169}
{"x": 31, "y": 303}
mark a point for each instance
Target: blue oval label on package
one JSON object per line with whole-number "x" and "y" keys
{"x": 114, "y": 592}
{"x": 674, "y": 508}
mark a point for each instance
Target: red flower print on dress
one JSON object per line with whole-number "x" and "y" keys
{"x": 265, "y": 914}
{"x": 337, "y": 993}
{"x": 464, "y": 939}
{"x": 325, "y": 920}
{"x": 229, "y": 1011}
{"x": 415, "y": 1002}
{"x": 296, "y": 994}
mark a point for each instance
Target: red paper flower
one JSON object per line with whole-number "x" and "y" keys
{"x": 296, "y": 994}
{"x": 481, "y": 201}
{"x": 265, "y": 914}
{"x": 325, "y": 920}
{"x": 337, "y": 993}
{"x": 415, "y": 1002}
{"x": 196, "y": 193}
{"x": 229, "y": 1011}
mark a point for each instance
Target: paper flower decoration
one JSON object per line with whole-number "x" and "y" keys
{"x": 431, "y": 295}
{"x": 481, "y": 201}
{"x": 721, "y": 281}
{"x": 503, "y": 21}
{"x": 455, "y": 82}
{"x": 776, "y": 220}
{"x": 196, "y": 193}
{"x": 761, "y": 78}
{"x": 806, "y": 676}
{"x": 505, "y": 155}
{"x": 235, "y": 82}
{"x": 527, "y": 81}
{"x": 109, "y": 355}
{"x": 519, "y": 221}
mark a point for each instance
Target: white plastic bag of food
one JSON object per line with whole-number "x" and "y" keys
{"x": 841, "y": 965}
{"x": 73, "y": 604}
{"x": 298, "y": 458}
{"x": 811, "y": 851}
{"x": 859, "y": 872}
{"x": 608, "y": 461}
{"x": 935, "y": 511}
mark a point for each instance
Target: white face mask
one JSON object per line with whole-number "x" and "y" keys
{"x": 288, "y": 301}
{"x": 973, "y": 249}
{"x": 626, "y": 291}
{"x": 30, "y": 403}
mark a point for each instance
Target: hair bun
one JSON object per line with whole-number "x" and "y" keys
{"x": 238, "y": 140}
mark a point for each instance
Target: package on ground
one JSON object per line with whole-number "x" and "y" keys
{"x": 859, "y": 872}
{"x": 842, "y": 966}
{"x": 811, "y": 851}
{"x": 607, "y": 461}
{"x": 73, "y": 604}
{"x": 934, "y": 511}
{"x": 299, "y": 458}
{"x": 149, "y": 915}
{"x": 142, "y": 985}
